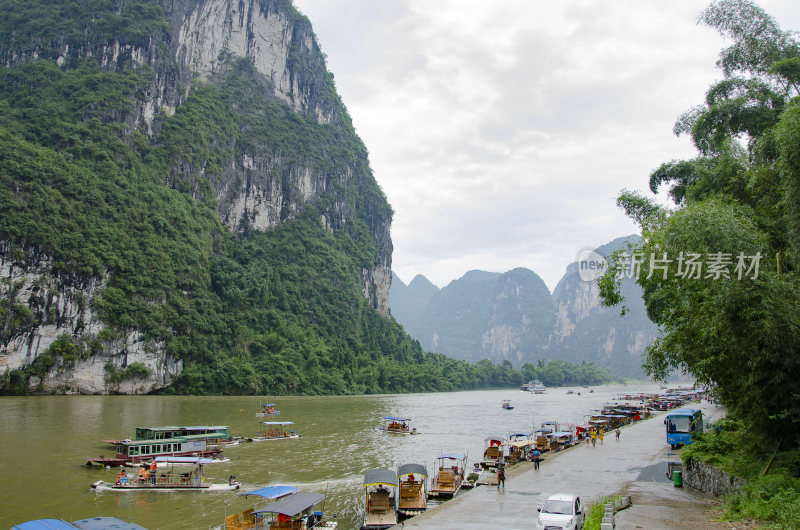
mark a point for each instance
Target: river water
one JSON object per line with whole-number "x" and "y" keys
{"x": 46, "y": 440}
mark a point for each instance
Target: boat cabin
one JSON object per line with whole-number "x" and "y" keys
{"x": 559, "y": 440}
{"x": 379, "y": 487}
{"x": 267, "y": 409}
{"x": 168, "y": 433}
{"x": 519, "y": 446}
{"x": 412, "y": 489}
{"x": 138, "y": 451}
{"x": 274, "y": 430}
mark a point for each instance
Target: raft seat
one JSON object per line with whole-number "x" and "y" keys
{"x": 232, "y": 522}
{"x": 379, "y": 501}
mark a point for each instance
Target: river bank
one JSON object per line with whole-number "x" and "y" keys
{"x": 635, "y": 465}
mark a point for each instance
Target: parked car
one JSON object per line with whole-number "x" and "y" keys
{"x": 561, "y": 512}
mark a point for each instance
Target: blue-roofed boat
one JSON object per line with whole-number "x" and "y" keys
{"x": 267, "y": 410}
{"x": 507, "y": 404}
{"x": 397, "y": 425}
{"x": 165, "y": 478}
{"x": 449, "y": 476}
{"x": 259, "y": 498}
{"x": 274, "y": 430}
{"x": 92, "y": 523}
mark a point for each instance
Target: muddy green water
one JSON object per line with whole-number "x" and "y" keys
{"x": 45, "y": 441}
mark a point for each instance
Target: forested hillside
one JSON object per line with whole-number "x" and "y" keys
{"x": 193, "y": 229}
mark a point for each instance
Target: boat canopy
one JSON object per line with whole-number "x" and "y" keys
{"x": 412, "y": 469}
{"x": 45, "y": 524}
{"x": 183, "y": 460}
{"x": 521, "y": 443}
{"x": 198, "y": 428}
{"x": 520, "y": 435}
{"x": 271, "y": 492}
{"x": 559, "y": 434}
{"x": 374, "y": 477}
{"x": 395, "y": 418}
{"x": 270, "y": 405}
{"x": 106, "y": 523}
{"x": 293, "y": 505}
{"x": 278, "y": 422}
{"x": 453, "y": 456}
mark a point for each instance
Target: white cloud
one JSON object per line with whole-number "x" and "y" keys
{"x": 502, "y": 132}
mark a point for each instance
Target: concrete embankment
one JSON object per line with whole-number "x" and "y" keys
{"x": 635, "y": 465}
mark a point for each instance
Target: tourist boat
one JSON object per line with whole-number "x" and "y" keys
{"x": 507, "y": 404}
{"x": 412, "y": 491}
{"x": 274, "y": 430}
{"x": 91, "y": 523}
{"x": 267, "y": 409}
{"x": 560, "y": 440}
{"x": 214, "y": 435}
{"x": 380, "y": 512}
{"x": 397, "y": 425}
{"x": 538, "y": 387}
{"x": 132, "y": 452}
{"x": 519, "y": 445}
{"x": 167, "y": 479}
{"x": 450, "y": 475}
{"x": 493, "y": 451}
{"x": 278, "y": 507}
{"x": 295, "y": 512}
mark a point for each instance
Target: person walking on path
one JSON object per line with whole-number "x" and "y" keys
{"x": 601, "y": 435}
{"x": 594, "y": 437}
{"x": 617, "y": 433}
{"x": 536, "y": 458}
{"x": 501, "y": 477}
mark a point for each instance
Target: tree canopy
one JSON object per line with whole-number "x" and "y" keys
{"x": 719, "y": 271}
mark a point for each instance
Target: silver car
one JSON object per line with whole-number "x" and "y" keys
{"x": 561, "y": 512}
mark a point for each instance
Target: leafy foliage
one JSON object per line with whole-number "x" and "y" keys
{"x": 738, "y": 202}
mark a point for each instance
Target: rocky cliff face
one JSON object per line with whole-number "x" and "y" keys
{"x": 514, "y": 317}
{"x": 257, "y": 190}
{"x": 479, "y": 316}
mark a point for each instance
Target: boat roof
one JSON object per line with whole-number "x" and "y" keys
{"x": 520, "y": 434}
{"x": 293, "y": 504}
{"x": 561, "y": 433}
{"x": 522, "y": 443}
{"x": 374, "y": 477}
{"x": 412, "y": 469}
{"x": 185, "y": 428}
{"x": 271, "y": 492}
{"x": 183, "y": 460}
{"x": 44, "y": 524}
{"x": 269, "y": 405}
{"x": 278, "y": 422}
{"x": 106, "y": 523}
{"x": 396, "y": 418}
{"x": 453, "y": 456}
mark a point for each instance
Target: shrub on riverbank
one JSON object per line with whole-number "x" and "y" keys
{"x": 595, "y": 512}
{"x": 774, "y": 498}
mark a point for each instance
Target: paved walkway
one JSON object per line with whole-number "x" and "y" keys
{"x": 636, "y": 462}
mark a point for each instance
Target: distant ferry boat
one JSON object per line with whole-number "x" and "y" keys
{"x": 535, "y": 386}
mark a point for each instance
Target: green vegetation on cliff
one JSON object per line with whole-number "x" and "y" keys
{"x": 249, "y": 311}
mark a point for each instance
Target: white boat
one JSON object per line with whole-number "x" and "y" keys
{"x": 538, "y": 387}
{"x": 267, "y": 410}
{"x": 274, "y": 430}
{"x": 167, "y": 479}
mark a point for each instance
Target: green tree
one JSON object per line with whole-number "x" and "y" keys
{"x": 737, "y": 211}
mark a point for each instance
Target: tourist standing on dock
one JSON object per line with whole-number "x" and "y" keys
{"x": 536, "y": 458}
{"x": 594, "y": 437}
{"x": 600, "y": 435}
{"x": 501, "y": 477}
{"x": 617, "y": 433}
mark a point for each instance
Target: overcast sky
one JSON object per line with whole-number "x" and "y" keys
{"x": 502, "y": 132}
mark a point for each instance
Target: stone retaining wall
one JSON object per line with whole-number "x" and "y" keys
{"x": 709, "y": 479}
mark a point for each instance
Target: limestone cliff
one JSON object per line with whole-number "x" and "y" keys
{"x": 257, "y": 188}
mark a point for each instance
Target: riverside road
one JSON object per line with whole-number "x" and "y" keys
{"x": 635, "y": 465}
